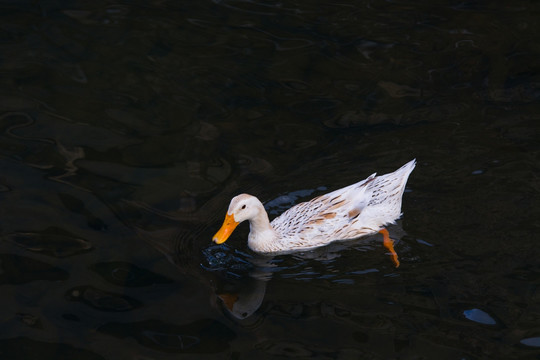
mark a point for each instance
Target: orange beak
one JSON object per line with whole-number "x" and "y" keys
{"x": 226, "y": 229}
{"x": 229, "y": 300}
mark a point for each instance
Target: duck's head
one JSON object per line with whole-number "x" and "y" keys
{"x": 242, "y": 207}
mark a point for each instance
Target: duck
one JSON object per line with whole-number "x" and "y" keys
{"x": 357, "y": 210}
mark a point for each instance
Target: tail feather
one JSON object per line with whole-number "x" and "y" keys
{"x": 386, "y": 193}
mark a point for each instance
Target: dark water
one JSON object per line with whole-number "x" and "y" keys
{"x": 127, "y": 127}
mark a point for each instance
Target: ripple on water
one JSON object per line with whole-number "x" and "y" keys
{"x": 201, "y": 336}
{"x": 30, "y": 349}
{"x": 53, "y": 242}
{"x": 231, "y": 263}
{"x": 102, "y": 300}
{"x": 16, "y": 269}
{"x": 129, "y": 275}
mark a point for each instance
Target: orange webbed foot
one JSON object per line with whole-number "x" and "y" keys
{"x": 389, "y": 244}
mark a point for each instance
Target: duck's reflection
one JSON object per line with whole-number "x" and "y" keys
{"x": 233, "y": 278}
{"x": 242, "y": 299}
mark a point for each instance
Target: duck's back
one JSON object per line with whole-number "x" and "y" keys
{"x": 356, "y": 210}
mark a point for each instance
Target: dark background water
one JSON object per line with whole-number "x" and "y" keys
{"x": 127, "y": 127}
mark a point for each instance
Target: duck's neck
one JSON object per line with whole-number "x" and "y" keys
{"x": 262, "y": 236}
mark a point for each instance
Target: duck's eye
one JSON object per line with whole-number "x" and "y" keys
{"x": 244, "y": 206}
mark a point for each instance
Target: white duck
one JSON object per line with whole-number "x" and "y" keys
{"x": 356, "y": 210}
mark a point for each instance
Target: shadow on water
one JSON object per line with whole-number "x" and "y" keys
{"x": 126, "y": 128}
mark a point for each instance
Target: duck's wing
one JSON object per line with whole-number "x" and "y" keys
{"x": 325, "y": 218}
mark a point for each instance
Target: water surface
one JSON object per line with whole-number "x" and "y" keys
{"x": 125, "y": 129}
